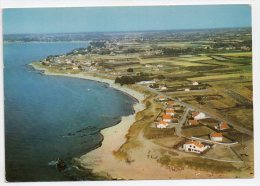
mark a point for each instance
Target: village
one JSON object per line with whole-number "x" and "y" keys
{"x": 200, "y": 91}
{"x": 181, "y": 117}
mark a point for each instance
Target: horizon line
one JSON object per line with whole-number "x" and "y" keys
{"x": 125, "y": 31}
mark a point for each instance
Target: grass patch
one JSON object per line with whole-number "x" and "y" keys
{"x": 197, "y": 164}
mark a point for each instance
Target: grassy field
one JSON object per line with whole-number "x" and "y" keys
{"x": 222, "y": 76}
{"x": 196, "y": 131}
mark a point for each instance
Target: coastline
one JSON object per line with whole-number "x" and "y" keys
{"x": 102, "y": 163}
{"x": 113, "y": 137}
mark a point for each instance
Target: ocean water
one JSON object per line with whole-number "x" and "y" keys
{"x": 48, "y": 117}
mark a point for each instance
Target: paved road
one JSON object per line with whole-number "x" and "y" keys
{"x": 191, "y": 91}
{"x": 182, "y": 121}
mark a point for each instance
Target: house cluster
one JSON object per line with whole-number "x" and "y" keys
{"x": 66, "y": 63}
{"x": 168, "y": 115}
{"x": 200, "y": 145}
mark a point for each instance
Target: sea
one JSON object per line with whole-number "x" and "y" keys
{"x": 47, "y": 118}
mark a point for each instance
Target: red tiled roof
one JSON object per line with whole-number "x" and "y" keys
{"x": 216, "y": 134}
{"x": 163, "y": 123}
{"x": 223, "y": 125}
{"x": 196, "y": 143}
{"x": 193, "y": 122}
{"x": 195, "y": 114}
{"x": 167, "y": 116}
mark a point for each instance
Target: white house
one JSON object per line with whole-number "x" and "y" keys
{"x": 162, "y": 98}
{"x": 146, "y": 82}
{"x": 163, "y": 87}
{"x": 216, "y": 136}
{"x": 186, "y": 89}
{"x": 162, "y": 124}
{"x": 75, "y": 68}
{"x": 195, "y": 83}
{"x": 167, "y": 118}
{"x": 148, "y": 66}
{"x": 194, "y": 146}
{"x": 199, "y": 116}
{"x": 169, "y": 111}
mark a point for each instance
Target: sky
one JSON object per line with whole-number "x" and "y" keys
{"x": 105, "y": 19}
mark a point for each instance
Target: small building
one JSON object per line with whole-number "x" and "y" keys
{"x": 170, "y": 111}
{"x": 148, "y": 66}
{"x": 162, "y": 98}
{"x": 222, "y": 126}
{"x": 198, "y": 115}
{"x": 195, "y": 113}
{"x": 186, "y": 89}
{"x": 167, "y": 118}
{"x": 216, "y": 136}
{"x": 194, "y": 146}
{"x": 193, "y": 122}
{"x": 75, "y": 68}
{"x": 163, "y": 87}
{"x": 162, "y": 124}
{"x": 146, "y": 82}
{"x": 195, "y": 83}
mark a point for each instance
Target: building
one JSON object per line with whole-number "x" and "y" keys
{"x": 162, "y": 98}
{"x": 216, "y": 136}
{"x": 195, "y": 83}
{"x": 186, "y": 89}
{"x": 198, "y": 115}
{"x": 163, "y": 87}
{"x": 162, "y": 124}
{"x": 146, "y": 82}
{"x": 194, "y": 146}
{"x": 170, "y": 111}
{"x": 193, "y": 114}
{"x": 167, "y": 118}
{"x": 222, "y": 126}
{"x": 193, "y": 122}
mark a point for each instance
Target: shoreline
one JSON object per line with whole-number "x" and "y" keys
{"x": 101, "y": 162}
{"x": 110, "y": 142}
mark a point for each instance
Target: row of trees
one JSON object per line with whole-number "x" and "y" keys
{"x": 126, "y": 80}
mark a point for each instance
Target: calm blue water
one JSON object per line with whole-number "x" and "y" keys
{"x": 47, "y": 117}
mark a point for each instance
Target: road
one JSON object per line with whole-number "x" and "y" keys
{"x": 182, "y": 121}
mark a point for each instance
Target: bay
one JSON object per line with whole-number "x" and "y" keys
{"x": 49, "y": 117}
